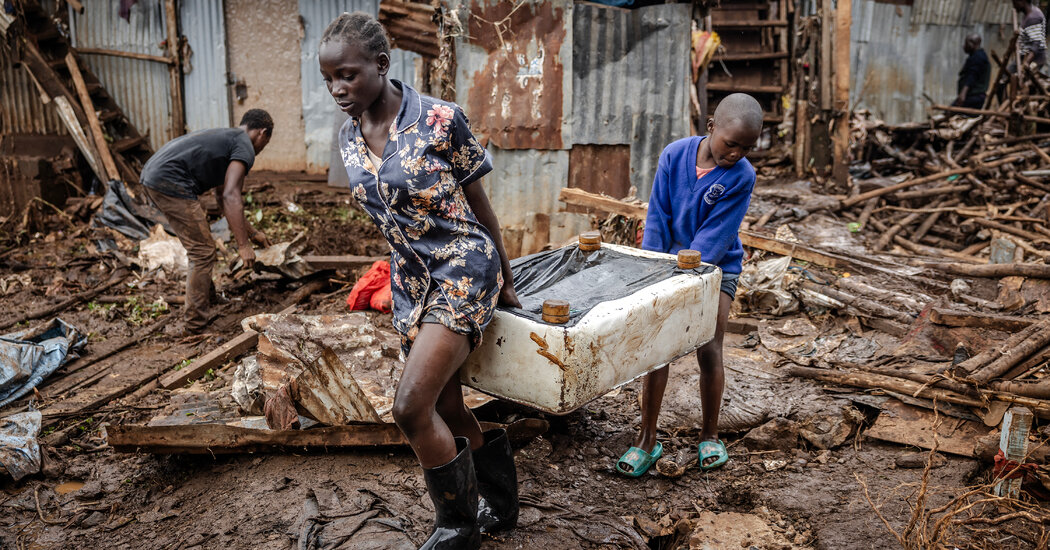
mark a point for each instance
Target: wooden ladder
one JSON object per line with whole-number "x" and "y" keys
{"x": 112, "y": 145}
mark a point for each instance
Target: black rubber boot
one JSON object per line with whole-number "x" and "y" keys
{"x": 497, "y": 483}
{"x": 454, "y": 489}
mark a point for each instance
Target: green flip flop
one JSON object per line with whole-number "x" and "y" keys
{"x": 712, "y": 449}
{"x": 639, "y": 460}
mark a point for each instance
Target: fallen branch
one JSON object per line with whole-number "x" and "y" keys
{"x": 1035, "y": 271}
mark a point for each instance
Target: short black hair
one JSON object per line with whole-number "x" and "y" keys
{"x": 740, "y": 108}
{"x": 256, "y": 119}
{"x": 361, "y": 29}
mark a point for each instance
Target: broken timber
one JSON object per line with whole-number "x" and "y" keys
{"x": 785, "y": 248}
{"x": 955, "y": 318}
{"x": 223, "y": 439}
{"x": 239, "y": 345}
{"x": 579, "y": 197}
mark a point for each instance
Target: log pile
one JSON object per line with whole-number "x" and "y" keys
{"x": 969, "y": 186}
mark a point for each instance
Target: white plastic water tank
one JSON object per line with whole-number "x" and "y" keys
{"x": 559, "y": 368}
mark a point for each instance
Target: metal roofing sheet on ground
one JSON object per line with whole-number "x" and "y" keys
{"x": 960, "y": 12}
{"x": 630, "y": 81}
{"x": 206, "y": 95}
{"x": 141, "y": 88}
{"x": 319, "y": 111}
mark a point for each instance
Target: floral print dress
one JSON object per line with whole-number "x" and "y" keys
{"x": 444, "y": 266}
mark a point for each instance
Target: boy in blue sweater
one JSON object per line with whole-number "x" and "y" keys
{"x": 700, "y": 194}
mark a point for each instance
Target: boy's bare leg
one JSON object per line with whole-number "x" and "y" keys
{"x": 712, "y": 374}
{"x": 652, "y": 399}
{"x": 436, "y": 355}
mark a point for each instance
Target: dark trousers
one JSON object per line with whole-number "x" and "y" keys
{"x": 187, "y": 219}
{"x": 972, "y": 102}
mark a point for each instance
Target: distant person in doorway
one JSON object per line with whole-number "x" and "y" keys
{"x": 974, "y": 76}
{"x": 187, "y": 167}
{"x": 701, "y": 192}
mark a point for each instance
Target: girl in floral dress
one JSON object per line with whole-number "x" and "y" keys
{"x": 414, "y": 166}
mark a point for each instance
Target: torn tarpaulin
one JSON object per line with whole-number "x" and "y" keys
{"x": 19, "y": 450}
{"x": 131, "y": 216}
{"x": 29, "y": 356}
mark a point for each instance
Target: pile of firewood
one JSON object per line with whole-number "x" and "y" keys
{"x": 954, "y": 186}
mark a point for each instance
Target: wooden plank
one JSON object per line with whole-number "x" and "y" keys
{"x": 178, "y": 110}
{"x": 342, "y": 262}
{"x": 748, "y": 23}
{"x": 212, "y": 360}
{"x": 89, "y": 110}
{"x": 784, "y": 248}
{"x": 223, "y": 439}
{"x": 129, "y": 55}
{"x": 909, "y": 425}
{"x": 840, "y": 137}
{"x": 956, "y": 318}
{"x": 738, "y": 87}
{"x": 750, "y": 56}
{"x": 1037, "y": 271}
{"x": 580, "y": 197}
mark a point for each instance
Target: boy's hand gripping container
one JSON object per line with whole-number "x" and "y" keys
{"x": 631, "y": 311}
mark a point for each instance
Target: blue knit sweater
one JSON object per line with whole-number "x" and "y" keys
{"x": 703, "y": 214}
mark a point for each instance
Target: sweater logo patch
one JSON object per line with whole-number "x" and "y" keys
{"x": 714, "y": 193}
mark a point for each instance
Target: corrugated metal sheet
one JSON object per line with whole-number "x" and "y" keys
{"x": 630, "y": 81}
{"x": 960, "y": 12}
{"x": 894, "y": 63}
{"x": 141, "y": 88}
{"x": 514, "y": 77}
{"x": 206, "y": 96}
{"x": 525, "y": 180}
{"x": 21, "y": 111}
{"x": 318, "y": 108}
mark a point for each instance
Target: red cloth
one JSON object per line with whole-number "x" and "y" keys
{"x": 372, "y": 289}
{"x": 1011, "y": 469}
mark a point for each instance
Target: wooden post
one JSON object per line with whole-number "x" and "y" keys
{"x": 826, "y": 50}
{"x": 89, "y": 111}
{"x": 840, "y": 138}
{"x": 1013, "y": 441}
{"x": 178, "y": 113}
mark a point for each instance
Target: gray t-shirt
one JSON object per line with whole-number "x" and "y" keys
{"x": 189, "y": 165}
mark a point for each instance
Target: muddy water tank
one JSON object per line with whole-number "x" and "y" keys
{"x": 631, "y": 312}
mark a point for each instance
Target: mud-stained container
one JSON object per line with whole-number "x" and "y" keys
{"x": 559, "y": 367}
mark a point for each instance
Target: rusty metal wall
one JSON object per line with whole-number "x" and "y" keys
{"x": 21, "y": 111}
{"x": 141, "y": 88}
{"x": 630, "y": 81}
{"x": 207, "y": 97}
{"x": 514, "y": 77}
{"x": 894, "y": 62}
{"x": 525, "y": 180}
{"x": 319, "y": 111}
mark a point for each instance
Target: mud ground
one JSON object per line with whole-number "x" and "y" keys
{"x": 89, "y": 496}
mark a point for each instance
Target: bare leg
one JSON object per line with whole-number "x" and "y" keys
{"x": 712, "y": 374}
{"x": 652, "y": 398}
{"x": 457, "y": 416}
{"x": 436, "y": 355}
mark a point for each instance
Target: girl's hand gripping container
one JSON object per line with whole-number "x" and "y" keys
{"x": 631, "y": 311}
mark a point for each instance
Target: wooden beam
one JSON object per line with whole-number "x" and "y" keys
{"x": 129, "y": 55}
{"x": 579, "y": 197}
{"x": 178, "y": 110}
{"x": 223, "y": 439}
{"x": 840, "y": 137}
{"x": 956, "y": 318}
{"x": 215, "y": 359}
{"x": 341, "y": 262}
{"x": 784, "y": 248}
{"x": 1036, "y": 271}
{"x": 986, "y": 112}
{"x": 89, "y": 111}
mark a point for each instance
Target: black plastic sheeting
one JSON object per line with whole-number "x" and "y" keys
{"x": 29, "y": 356}
{"x": 131, "y": 216}
{"x": 585, "y": 279}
